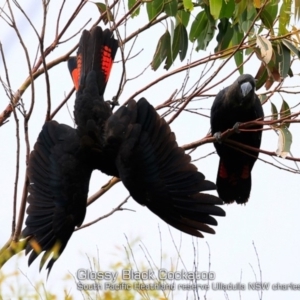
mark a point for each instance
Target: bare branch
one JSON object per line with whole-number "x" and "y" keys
{"x": 103, "y": 190}
{"x": 118, "y": 208}
{"x": 16, "y": 97}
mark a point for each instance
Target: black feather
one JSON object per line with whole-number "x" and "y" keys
{"x": 159, "y": 175}
{"x": 134, "y": 144}
{"x": 236, "y": 103}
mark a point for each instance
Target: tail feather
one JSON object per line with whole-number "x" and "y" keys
{"x": 234, "y": 185}
{"x": 96, "y": 52}
{"x": 74, "y": 71}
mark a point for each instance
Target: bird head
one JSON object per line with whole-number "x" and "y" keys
{"x": 246, "y": 89}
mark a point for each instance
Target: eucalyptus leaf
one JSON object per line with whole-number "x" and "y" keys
{"x": 163, "y": 49}
{"x": 285, "y": 140}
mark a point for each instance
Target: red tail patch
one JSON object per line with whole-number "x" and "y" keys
{"x": 75, "y": 73}
{"x": 106, "y": 61}
{"x": 245, "y": 172}
{"x": 79, "y": 67}
{"x": 75, "y": 76}
{"x": 222, "y": 171}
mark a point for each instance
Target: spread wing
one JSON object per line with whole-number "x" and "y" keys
{"x": 158, "y": 173}
{"x": 58, "y": 191}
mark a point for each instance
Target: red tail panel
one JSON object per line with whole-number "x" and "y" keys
{"x": 106, "y": 61}
{"x": 222, "y": 171}
{"x": 96, "y": 52}
{"x": 246, "y": 172}
{"x": 75, "y": 76}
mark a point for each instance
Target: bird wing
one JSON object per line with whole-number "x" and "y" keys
{"x": 158, "y": 173}
{"x": 58, "y": 188}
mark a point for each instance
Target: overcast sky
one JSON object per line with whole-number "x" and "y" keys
{"x": 265, "y": 229}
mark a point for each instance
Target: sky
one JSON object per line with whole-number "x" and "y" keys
{"x": 254, "y": 242}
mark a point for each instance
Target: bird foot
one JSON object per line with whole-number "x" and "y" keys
{"x": 217, "y": 136}
{"x": 236, "y": 127}
{"x": 114, "y": 102}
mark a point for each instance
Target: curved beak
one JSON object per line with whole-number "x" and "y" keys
{"x": 246, "y": 87}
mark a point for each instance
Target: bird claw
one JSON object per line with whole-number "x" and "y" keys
{"x": 114, "y": 102}
{"x": 236, "y": 127}
{"x": 217, "y": 136}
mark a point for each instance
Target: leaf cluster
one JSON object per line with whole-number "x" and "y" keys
{"x": 242, "y": 26}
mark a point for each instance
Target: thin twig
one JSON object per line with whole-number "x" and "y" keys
{"x": 118, "y": 208}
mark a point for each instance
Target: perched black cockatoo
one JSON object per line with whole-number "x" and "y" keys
{"x": 236, "y": 103}
{"x": 134, "y": 144}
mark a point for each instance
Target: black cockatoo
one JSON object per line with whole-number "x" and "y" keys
{"x": 234, "y": 104}
{"x": 134, "y": 144}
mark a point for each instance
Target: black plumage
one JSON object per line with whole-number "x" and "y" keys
{"x": 236, "y": 103}
{"x": 61, "y": 164}
{"x": 134, "y": 144}
{"x": 157, "y": 173}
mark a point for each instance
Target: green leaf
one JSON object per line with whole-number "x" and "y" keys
{"x": 198, "y": 25}
{"x": 172, "y": 27}
{"x": 188, "y": 5}
{"x": 181, "y": 32}
{"x": 261, "y": 76}
{"x": 205, "y": 37}
{"x": 136, "y": 12}
{"x": 225, "y": 35}
{"x": 154, "y": 8}
{"x": 284, "y": 17}
{"x": 102, "y": 9}
{"x": 285, "y": 60}
{"x": 221, "y": 8}
{"x": 246, "y": 25}
{"x": 284, "y": 142}
{"x": 215, "y": 8}
{"x": 291, "y": 46}
{"x": 238, "y": 56}
{"x": 262, "y": 98}
{"x": 238, "y": 14}
{"x": 207, "y": 34}
{"x": 171, "y": 7}
{"x": 163, "y": 50}
{"x": 249, "y": 50}
{"x": 183, "y": 17}
{"x": 179, "y": 45}
{"x": 170, "y": 57}
{"x": 272, "y": 8}
{"x": 285, "y": 112}
{"x": 274, "y": 116}
{"x": 267, "y": 20}
{"x": 246, "y": 20}
{"x": 274, "y": 113}
{"x": 251, "y": 12}
{"x": 227, "y": 10}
